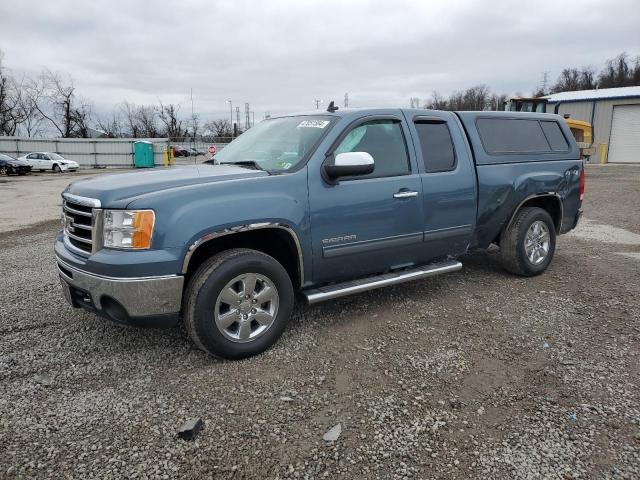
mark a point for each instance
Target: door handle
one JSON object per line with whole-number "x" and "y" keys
{"x": 405, "y": 194}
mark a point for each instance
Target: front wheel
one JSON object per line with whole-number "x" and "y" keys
{"x": 4, "y": 171}
{"x": 57, "y": 169}
{"x": 528, "y": 244}
{"x": 238, "y": 303}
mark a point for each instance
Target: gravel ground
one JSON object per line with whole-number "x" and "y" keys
{"x": 476, "y": 374}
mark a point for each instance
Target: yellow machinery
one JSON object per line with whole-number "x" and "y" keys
{"x": 582, "y": 131}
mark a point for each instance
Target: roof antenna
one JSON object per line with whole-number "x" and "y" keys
{"x": 332, "y": 108}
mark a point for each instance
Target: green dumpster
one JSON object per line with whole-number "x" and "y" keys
{"x": 143, "y": 154}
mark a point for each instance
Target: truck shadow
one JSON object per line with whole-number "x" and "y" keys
{"x": 174, "y": 343}
{"x": 480, "y": 268}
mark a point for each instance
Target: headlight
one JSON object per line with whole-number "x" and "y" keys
{"x": 131, "y": 229}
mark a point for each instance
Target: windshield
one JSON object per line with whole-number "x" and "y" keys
{"x": 55, "y": 156}
{"x": 6, "y": 158}
{"x": 525, "y": 106}
{"x": 277, "y": 144}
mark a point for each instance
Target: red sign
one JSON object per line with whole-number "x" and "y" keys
{"x": 212, "y": 149}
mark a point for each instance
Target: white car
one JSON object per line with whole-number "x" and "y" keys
{"x": 49, "y": 161}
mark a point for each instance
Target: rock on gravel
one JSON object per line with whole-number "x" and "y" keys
{"x": 333, "y": 433}
{"x": 190, "y": 429}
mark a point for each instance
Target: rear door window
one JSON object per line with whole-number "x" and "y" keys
{"x": 438, "y": 153}
{"x": 555, "y": 137}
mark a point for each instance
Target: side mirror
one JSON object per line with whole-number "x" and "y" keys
{"x": 350, "y": 164}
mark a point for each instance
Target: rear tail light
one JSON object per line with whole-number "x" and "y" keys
{"x": 582, "y": 183}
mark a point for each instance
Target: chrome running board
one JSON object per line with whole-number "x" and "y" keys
{"x": 369, "y": 283}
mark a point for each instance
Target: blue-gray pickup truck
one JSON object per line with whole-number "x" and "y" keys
{"x": 320, "y": 205}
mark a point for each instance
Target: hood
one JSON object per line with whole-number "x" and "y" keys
{"x": 128, "y": 186}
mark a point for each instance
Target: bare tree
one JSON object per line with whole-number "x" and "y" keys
{"x": 415, "y": 102}
{"x": 588, "y": 78}
{"x": 194, "y": 124}
{"x": 56, "y": 101}
{"x": 497, "y": 101}
{"x": 32, "y": 119}
{"x": 218, "y": 128}
{"x": 618, "y": 73}
{"x": 129, "y": 113}
{"x": 474, "y": 98}
{"x": 437, "y": 102}
{"x": 172, "y": 125}
{"x": 81, "y": 115}
{"x": 635, "y": 71}
{"x": 11, "y": 115}
{"x": 147, "y": 117}
{"x": 52, "y": 91}
{"x": 111, "y": 125}
{"x": 572, "y": 79}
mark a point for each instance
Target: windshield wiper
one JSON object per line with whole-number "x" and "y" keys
{"x": 246, "y": 163}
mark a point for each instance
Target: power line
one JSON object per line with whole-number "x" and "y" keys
{"x": 544, "y": 82}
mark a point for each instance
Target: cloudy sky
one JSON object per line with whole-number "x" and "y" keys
{"x": 281, "y": 55}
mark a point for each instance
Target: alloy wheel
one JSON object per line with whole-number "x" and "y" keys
{"x": 246, "y": 307}
{"x": 536, "y": 242}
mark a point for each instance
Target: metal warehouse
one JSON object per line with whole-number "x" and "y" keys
{"x": 615, "y": 116}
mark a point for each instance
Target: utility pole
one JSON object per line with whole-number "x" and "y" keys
{"x": 346, "y": 100}
{"x": 544, "y": 82}
{"x": 193, "y": 120}
{"x": 230, "y": 115}
{"x": 317, "y": 104}
{"x": 247, "y": 120}
{"x": 238, "y": 116}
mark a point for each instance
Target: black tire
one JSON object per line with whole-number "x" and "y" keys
{"x": 203, "y": 292}
{"x": 512, "y": 242}
{"x": 56, "y": 168}
{"x": 4, "y": 171}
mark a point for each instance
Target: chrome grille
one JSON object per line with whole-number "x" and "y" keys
{"x": 78, "y": 220}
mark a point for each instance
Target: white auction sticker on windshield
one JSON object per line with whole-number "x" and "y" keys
{"x": 313, "y": 124}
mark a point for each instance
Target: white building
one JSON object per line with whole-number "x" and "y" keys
{"x": 614, "y": 114}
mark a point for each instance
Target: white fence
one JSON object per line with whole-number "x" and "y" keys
{"x": 92, "y": 152}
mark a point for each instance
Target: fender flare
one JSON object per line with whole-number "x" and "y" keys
{"x": 246, "y": 228}
{"x": 538, "y": 195}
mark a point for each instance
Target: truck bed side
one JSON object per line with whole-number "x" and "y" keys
{"x": 506, "y": 180}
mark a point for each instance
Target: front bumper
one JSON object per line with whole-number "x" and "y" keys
{"x": 140, "y": 301}
{"x": 18, "y": 170}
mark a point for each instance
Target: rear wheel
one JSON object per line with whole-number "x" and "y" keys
{"x": 238, "y": 303}
{"x": 528, "y": 244}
